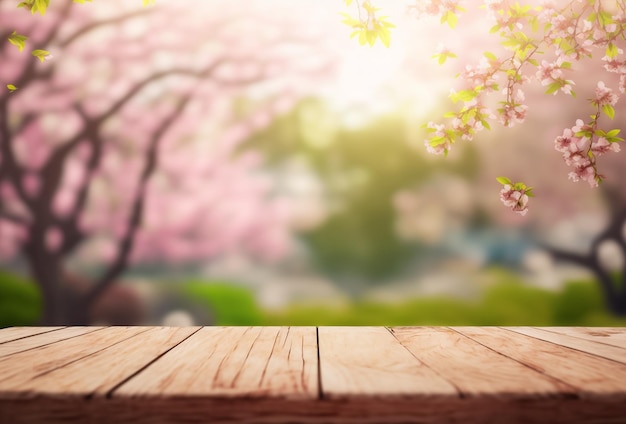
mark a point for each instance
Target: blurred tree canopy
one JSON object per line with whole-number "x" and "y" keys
{"x": 360, "y": 167}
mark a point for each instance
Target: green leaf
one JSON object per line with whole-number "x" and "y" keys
{"x": 490, "y": 56}
{"x": 611, "y": 50}
{"x": 554, "y": 87}
{"x": 613, "y": 133}
{"x": 504, "y": 181}
{"x": 362, "y": 37}
{"x": 384, "y": 37}
{"x": 41, "y": 54}
{"x": 371, "y": 37}
{"x": 452, "y": 20}
{"x": 18, "y": 40}
{"x": 608, "y": 111}
{"x": 463, "y": 95}
{"x": 40, "y": 6}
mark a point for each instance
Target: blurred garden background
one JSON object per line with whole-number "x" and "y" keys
{"x": 214, "y": 162}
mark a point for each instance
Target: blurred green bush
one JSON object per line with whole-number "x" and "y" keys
{"x": 228, "y": 304}
{"x": 20, "y": 301}
{"x": 507, "y": 301}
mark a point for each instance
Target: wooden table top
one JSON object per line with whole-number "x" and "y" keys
{"x": 312, "y": 374}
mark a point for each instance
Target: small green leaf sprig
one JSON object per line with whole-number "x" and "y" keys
{"x": 368, "y": 26}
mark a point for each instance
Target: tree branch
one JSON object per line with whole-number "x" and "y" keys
{"x": 14, "y": 218}
{"x": 10, "y": 166}
{"x": 135, "y": 217}
{"x": 95, "y": 25}
{"x": 590, "y": 261}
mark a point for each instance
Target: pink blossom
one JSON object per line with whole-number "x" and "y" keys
{"x": 517, "y": 200}
{"x": 602, "y": 145}
{"x": 604, "y": 95}
{"x": 614, "y": 65}
{"x": 584, "y": 172}
{"x": 433, "y": 7}
{"x": 549, "y": 72}
{"x": 512, "y": 114}
{"x": 568, "y": 143}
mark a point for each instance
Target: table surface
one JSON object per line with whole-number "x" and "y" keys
{"x": 313, "y": 374}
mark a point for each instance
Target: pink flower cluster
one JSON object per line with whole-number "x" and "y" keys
{"x": 484, "y": 74}
{"x": 552, "y": 72}
{"x": 604, "y": 95}
{"x": 517, "y": 200}
{"x": 433, "y": 7}
{"x": 580, "y": 151}
{"x": 563, "y": 33}
{"x": 438, "y": 132}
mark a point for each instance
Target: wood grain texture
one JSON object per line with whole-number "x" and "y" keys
{"x": 100, "y": 372}
{"x": 16, "y": 370}
{"x": 606, "y": 335}
{"x": 600, "y": 349}
{"x": 589, "y": 374}
{"x": 369, "y": 361}
{"x": 462, "y": 361}
{"x": 269, "y": 375}
{"x": 42, "y": 339}
{"x": 14, "y": 333}
{"x": 234, "y": 362}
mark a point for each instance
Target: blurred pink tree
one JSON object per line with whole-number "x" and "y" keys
{"x": 121, "y": 147}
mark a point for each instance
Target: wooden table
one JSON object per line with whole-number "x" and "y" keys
{"x": 309, "y": 374}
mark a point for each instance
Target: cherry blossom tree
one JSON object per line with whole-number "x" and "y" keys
{"x": 537, "y": 42}
{"x": 510, "y": 50}
{"x": 126, "y": 118}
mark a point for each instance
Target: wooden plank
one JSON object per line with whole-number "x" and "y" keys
{"x": 370, "y": 361}
{"x": 100, "y": 372}
{"x": 38, "y": 340}
{"x": 608, "y": 335}
{"x": 590, "y": 374}
{"x": 16, "y": 370}
{"x": 473, "y": 368}
{"x": 151, "y": 410}
{"x": 234, "y": 362}
{"x": 606, "y": 351}
{"x": 14, "y": 333}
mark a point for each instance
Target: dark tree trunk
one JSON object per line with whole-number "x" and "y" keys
{"x": 613, "y": 288}
{"x": 61, "y": 305}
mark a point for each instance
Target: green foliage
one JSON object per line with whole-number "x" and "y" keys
{"x": 228, "y": 303}
{"x": 361, "y": 169}
{"x": 506, "y": 300}
{"x": 35, "y": 6}
{"x": 18, "y": 40}
{"x": 505, "y": 303}
{"x": 41, "y": 54}
{"x": 578, "y": 299}
{"x": 20, "y": 300}
{"x": 370, "y": 28}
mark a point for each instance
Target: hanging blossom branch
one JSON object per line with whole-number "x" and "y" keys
{"x": 574, "y": 32}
